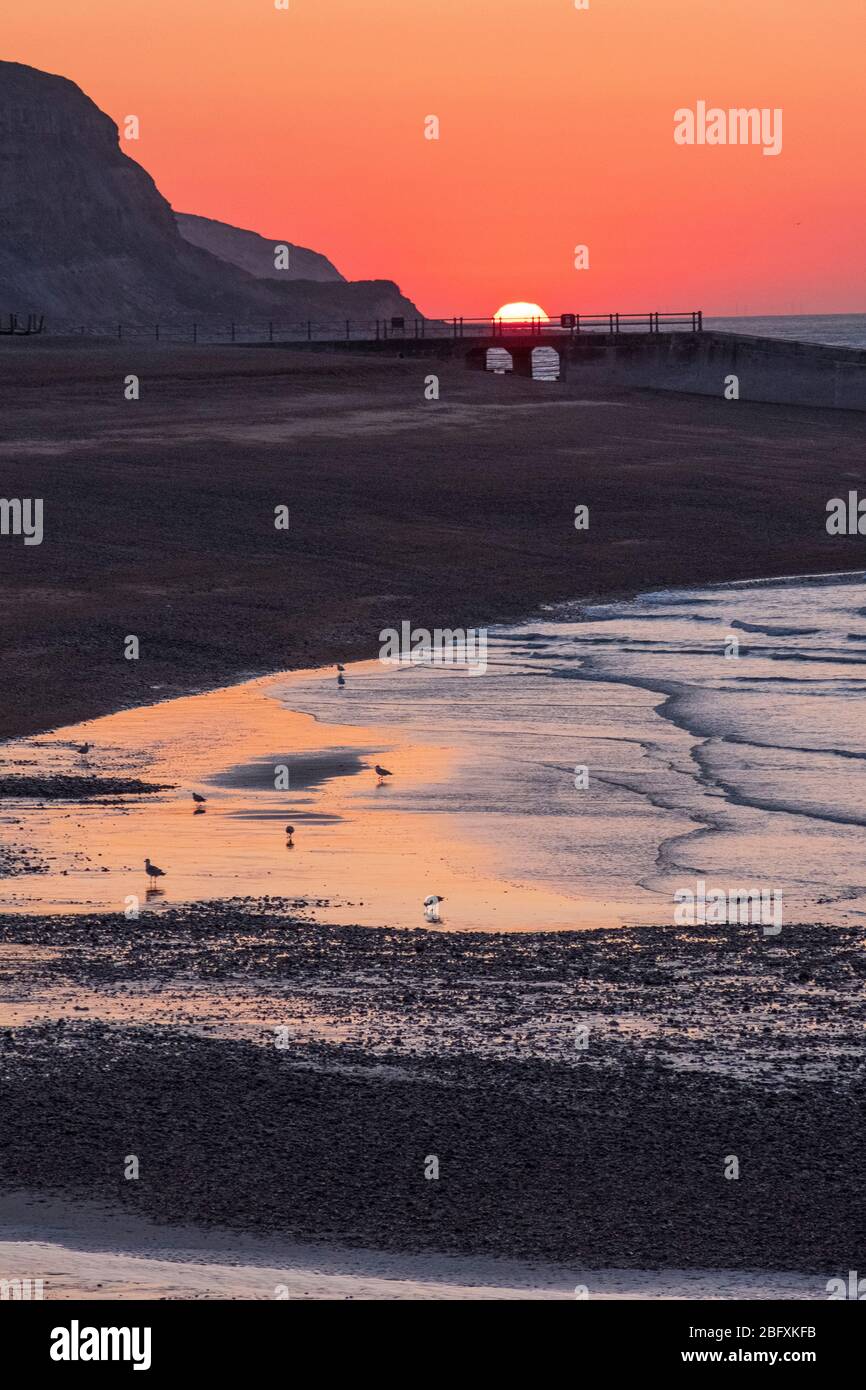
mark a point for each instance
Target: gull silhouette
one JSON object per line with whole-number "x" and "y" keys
{"x": 153, "y": 872}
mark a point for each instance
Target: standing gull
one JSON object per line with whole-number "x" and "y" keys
{"x": 153, "y": 872}
{"x": 382, "y": 773}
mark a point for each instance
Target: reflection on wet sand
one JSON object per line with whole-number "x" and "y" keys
{"x": 355, "y": 855}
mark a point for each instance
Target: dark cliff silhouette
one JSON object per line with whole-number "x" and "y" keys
{"x": 86, "y": 237}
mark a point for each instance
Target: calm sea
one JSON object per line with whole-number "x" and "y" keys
{"x": 839, "y": 330}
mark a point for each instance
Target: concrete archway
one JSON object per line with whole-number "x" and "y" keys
{"x": 499, "y": 360}
{"x": 546, "y": 364}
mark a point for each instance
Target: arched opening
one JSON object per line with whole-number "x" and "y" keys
{"x": 499, "y": 361}
{"x": 545, "y": 364}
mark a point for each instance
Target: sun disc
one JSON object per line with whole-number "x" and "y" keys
{"x": 521, "y": 312}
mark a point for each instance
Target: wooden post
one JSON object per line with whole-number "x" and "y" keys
{"x": 700, "y": 320}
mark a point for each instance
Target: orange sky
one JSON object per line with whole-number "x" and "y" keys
{"x": 556, "y": 130}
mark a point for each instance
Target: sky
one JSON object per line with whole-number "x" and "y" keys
{"x": 556, "y": 130}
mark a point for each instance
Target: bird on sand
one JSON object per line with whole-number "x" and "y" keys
{"x": 382, "y": 773}
{"x": 198, "y": 798}
{"x": 341, "y": 680}
{"x": 340, "y": 667}
{"x": 290, "y": 830}
{"x": 153, "y": 872}
{"x": 431, "y": 906}
{"x": 83, "y": 748}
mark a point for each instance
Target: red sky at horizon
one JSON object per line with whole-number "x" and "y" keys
{"x": 556, "y": 129}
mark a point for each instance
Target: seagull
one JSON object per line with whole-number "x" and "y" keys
{"x": 382, "y": 773}
{"x": 340, "y": 666}
{"x": 431, "y": 907}
{"x": 198, "y": 798}
{"x": 290, "y": 830}
{"x": 83, "y": 748}
{"x": 153, "y": 872}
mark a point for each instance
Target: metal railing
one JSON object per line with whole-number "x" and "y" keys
{"x": 14, "y": 324}
{"x": 394, "y": 329}
{"x": 572, "y": 325}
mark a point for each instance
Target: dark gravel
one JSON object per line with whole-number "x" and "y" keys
{"x": 614, "y": 1156}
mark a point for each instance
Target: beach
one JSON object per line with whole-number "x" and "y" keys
{"x": 288, "y": 1080}
{"x": 270, "y": 1060}
{"x": 159, "y": 513}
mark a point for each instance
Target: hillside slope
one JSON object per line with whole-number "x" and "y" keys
{"x": 87, "y": 238}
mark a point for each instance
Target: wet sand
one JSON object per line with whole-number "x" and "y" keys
{"x": 364, "y": 851}
{"x": 453, "y": 512}
{"x": 102, "y": 1253}
{"x": 399, "y": 1047}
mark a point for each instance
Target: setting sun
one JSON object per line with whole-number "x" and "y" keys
{"x": 521, "y": 312}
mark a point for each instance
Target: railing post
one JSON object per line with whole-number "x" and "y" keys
{"x": 700, "y": 320}
{"x": 617, "y": 322}
{"x": 611, "y": 324}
